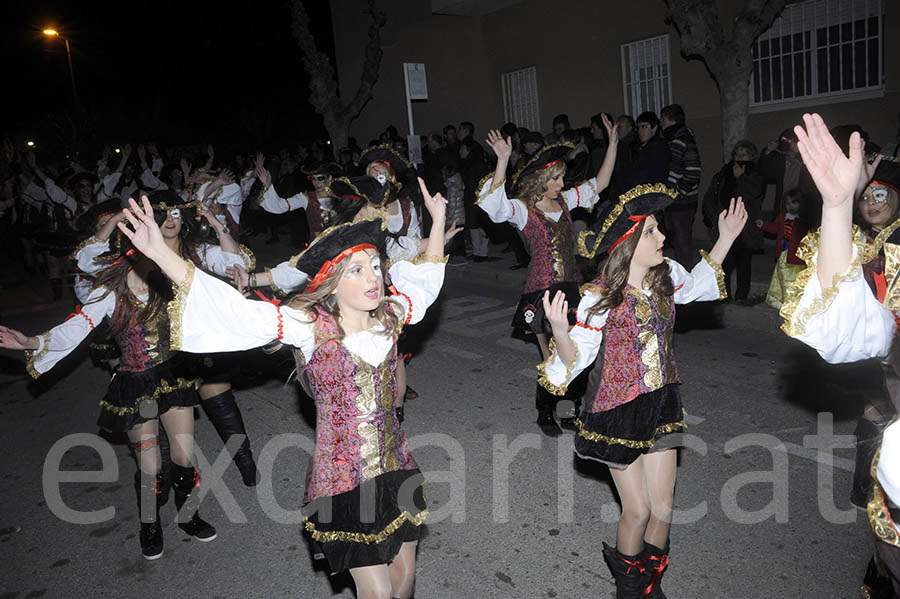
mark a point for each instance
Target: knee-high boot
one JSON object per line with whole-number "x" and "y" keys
{"x": 185, "y": 483}
{"x": 868, "y": 435}
{"x": 146, "y": 487}
{"x": 655, "y": 561}
{"x": 545, "y": 402}
{"x": 629, "y": 572}
{"x": 225, "y": 415}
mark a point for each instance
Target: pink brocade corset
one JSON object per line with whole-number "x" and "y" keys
{"x": 357, "y": 434}
{"x": 144, "y": 342}
{"x": 552, "y": 248}
{"x": 636, "y": 354}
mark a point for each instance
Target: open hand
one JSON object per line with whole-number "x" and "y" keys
{"x": 612, "y": 131}
{"x": 17, "y": 340}
{"x": 502, "y": 147}
{"x": 557, "y": 310}
{"x": 835, "y": 175}
{"x": 239, "y": 277}
{"x": 436, "y": 205}
{"x": 141, "y": 228}
{"x": 732, "y": 220}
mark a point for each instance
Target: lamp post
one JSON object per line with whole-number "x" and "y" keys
{"x": 55, "y": 33}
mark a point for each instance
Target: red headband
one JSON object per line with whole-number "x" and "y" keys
{"x": 330, "y": 265}
{"x": 387, "y": 164}
{"x": 549, "y": 164}
{"x": 637, "y": 220}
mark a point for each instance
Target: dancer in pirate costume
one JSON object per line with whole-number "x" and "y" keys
{"x": 215, "y": 370}
{"x": 541, "y": 214}
{"x": 832, "y": 307}
{"x": 364, "y": 500}
{"x": 624, "y": 324}
{"x": 318, "y": 204}
{"x": 151, "y": 383}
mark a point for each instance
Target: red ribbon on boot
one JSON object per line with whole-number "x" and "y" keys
{"x": 656, "y": 571}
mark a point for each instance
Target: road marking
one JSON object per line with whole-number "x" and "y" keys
{"x": 819, "y": 456}
{"x": 528, "y": 373}
{"x": 692, "y": 420}
{"x": 460, "y": 353}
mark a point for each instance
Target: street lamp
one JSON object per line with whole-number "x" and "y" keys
{"x": 54, "y": 33}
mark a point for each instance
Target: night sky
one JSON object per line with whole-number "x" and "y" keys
{"x": 184, "y": 72}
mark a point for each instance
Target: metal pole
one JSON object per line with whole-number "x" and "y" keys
{"x": 409, "y": 112}
{"x": 72, "y": 73}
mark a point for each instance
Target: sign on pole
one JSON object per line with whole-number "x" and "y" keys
{"x": 416, "y": 89}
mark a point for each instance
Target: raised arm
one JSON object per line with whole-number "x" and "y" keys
{"x": 731, "y": 223}
{"x": 609, "y": 161}
{"x": 502, "y": 148}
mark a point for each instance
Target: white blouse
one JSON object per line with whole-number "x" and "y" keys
{"x": 502, "y": 209}
{"x": 212, "y": 257}
{"x": 704, "y": 283}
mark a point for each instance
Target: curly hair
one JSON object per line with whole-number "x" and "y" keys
{"x": 531, "y": 188}
{"x": 613, "y": 275}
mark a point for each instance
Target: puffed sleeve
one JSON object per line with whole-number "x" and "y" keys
{"x": 151, "y": 182}
{"x": 207, "y": 315}
{"x": 59, "y": 196}
{"x": 498, "y": 207}
{"x": 843, "y": 323}
{"x": 583, "y": 195}
{"x": 58, "y": 342}
{"x": 286, "y": 279}
{"x": 109, "y": 182}
{"x": 888, "y": 470}
{"x": 216, "y": 260}
{"x": 246, "y": 184}
{"x": 705, "y": 283}
{"x": 587, "y": 334}
{"x": 272, "y": 202}
{"x": 417, "y": 285}
{"x": 86, "y": 255}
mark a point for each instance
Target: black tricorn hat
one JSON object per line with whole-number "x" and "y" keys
{"x": 358, "y": 191}
{"x": 616, "y": 222}
{"x": 318, "y": 167}
{"x": 401, "y": 167}
{"x": 888, "y": 171}
{"x": 546, "y": 157}
{"x": 335, "y": 243}
{"x": 73, "y": 179}
{"x": 166, "y": 199}
{"x": 86, "y": 222}
{"x": 578, "y": 169}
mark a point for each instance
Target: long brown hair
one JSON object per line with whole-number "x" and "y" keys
{"x": 613, "y": 275}
{"x": 115, "y": 280}
{"x": 325, "y": 299}
{"x": 532, "y": 188}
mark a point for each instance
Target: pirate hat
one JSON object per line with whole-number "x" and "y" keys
{"x": 396, "y": 162}
{"x": 336, "y": 243}
{"x": 74, "y": 179}
{"x": 619, "y": 219}
{"x": 545, "y": 158}
{"x": 318, "y": 167}
{"x": 86, "y": 222}
{"x": 358, "y": 191}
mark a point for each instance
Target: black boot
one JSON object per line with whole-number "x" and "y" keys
{"x": 655, "y": 561}
{"x": 225, "y": 415}
{"x": 868, "y": 437}
{"x": 185, "y": 482}
{"x": 147, "y": 489}
{"x": 629, "y": 572}
{"x": 568, "y": 421}
{"x": 876, "y": 586}
{"x": 545, "y": 402}
{"x": 164, "y": 480}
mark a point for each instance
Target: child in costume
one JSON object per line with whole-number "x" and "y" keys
{"x": 541, "y": 214}
{"x": 151, "y": 383}
{"x": 844, "y": 305}
{"x": 364, "y": 501}
{"x": 790, "y": 229}
{"x": 624, "y": 323}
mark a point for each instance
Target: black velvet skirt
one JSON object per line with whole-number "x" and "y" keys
{"x": 529, "y": 315}
{"x": 367, "y": 525}
{"x": 617, "y": 437}
{"x": 133, "y": 398}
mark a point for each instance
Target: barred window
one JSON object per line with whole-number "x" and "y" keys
{"x": 819, "y": 49}
{"x": 646, "y": 78}
{"x": 520, "y": 98}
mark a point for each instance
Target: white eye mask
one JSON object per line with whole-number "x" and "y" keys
{"x": 175, "y": 213}
{"x": 879, "y": 195}
{"x": 381, "y": 178}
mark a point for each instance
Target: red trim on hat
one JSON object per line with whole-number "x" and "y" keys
{"x": 388, "y": 164}
{"x": 883, "y": 184}
{"x": 329, "y": 265}
{"x": 549, "y": 164}
{"x": 637, "y": 220}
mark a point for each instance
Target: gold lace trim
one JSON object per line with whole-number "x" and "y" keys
{"x": 720, "y": 274}
{"x": 537, "y": 158}
{"x": 795, "y": 320}
{"x": 176, "y": 307}
{"x": 248, "y": 258}
{"x": 591, "y": 287}
{"x": 278, "y": 290}
{"x": 260, "y": 195}
{"x": 542, "y": 371}
{"x": 30, "y": 355}
{"x": 483, "y": 194}
{"x": 879, "y": 517}
{"x": 377, "y": 214}
{"x": 163, "y": 387}
{"x": 89, "y": 241}
{"x": 424, "y": 258}
{"x": 660, "y": 430}
{"x": 325, "y": 536}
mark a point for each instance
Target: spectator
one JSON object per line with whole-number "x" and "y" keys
{"x": 561, "y": 123}
{"x": 651, "y": 157}
{"x": 684, "y": 177}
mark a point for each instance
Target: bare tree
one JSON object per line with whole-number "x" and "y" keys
{"x": 323, "y": 86}
{"x": 729, "y": 60}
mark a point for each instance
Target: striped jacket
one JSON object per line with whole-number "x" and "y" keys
{"x": 684, "y": 167}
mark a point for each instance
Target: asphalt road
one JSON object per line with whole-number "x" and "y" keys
{"x": 760, "y": 512}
